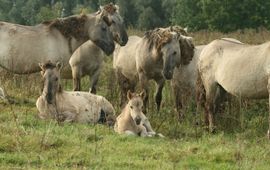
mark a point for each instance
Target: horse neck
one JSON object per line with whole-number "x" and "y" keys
{"x": 75, "y": 35}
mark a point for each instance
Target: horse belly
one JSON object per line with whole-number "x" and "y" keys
{"x": 253, "y": 87}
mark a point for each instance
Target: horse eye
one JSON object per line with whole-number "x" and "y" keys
{"x": 131, "y": 107}
{"x": 56, "y": 79}
{"x": 174, "y": 53}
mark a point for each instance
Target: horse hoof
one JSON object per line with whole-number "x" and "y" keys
{"x": 160, "y": 135}
{"x": 268, "y": 134}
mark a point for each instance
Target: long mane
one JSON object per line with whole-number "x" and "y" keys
{"x": 72, "y": 26}
{"x": 157, "y": 38}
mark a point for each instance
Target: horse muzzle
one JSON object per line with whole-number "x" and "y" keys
{"x": 138, "y": 120}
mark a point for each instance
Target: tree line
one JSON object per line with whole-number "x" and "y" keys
{"x": 220, "y": 15}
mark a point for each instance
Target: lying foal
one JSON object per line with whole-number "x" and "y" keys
{"x": 132, "y": 121}
{"x": 67, "y": 106}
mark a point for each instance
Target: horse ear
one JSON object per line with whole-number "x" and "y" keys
{"x": 58, "y": 65}
{"x": 143, "y": 94}
{"x": 117, "y": 8}
{"x": 186, "y": 29}
{"x": 129, "y": 95}
{"x": 107, "y": 20}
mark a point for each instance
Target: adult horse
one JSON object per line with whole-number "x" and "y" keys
{"x": 67, "y": 106}
{"x": 88, "y": 58}
{"x": 154, "y": 56}
{"x": 22, "y": 47}
{"x": 238, "y": 69}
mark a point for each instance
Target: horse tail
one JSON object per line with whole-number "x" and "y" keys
{"x": 200, "y": 92}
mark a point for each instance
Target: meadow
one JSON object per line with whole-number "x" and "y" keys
{"x": 26, "y": 142}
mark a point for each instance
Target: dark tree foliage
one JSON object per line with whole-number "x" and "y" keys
{"x": 222, "y": 15}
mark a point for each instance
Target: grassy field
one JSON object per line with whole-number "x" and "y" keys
{"x": 27, "y": 142}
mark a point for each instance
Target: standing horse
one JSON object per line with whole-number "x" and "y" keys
{"x": 22, "y": 47}
{"x": 70, "y": 106}
{"x": 88, "y": 58}
{"x": 154, "y": 56}
{"x": 238, "y": 69}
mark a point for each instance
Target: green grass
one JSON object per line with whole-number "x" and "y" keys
{"x": 26, "y": 142}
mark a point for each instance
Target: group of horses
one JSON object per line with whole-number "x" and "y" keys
{"x": 75, "y": 45}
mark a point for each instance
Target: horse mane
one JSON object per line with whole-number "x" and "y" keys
{"x": 157, "y": 38}
{"x": 72, "y": 26}
{"x": 110, "y": 8}
{"x": 179, "y": 30}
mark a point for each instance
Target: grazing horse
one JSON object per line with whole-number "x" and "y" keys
{"x": 154, "y": 56}
{"x": 88, "y": 58}
{"x": 22, "y": 47}
{"x": 66, "y": 106}
{"x": 230, "y": 67}
{"x": 132, "y": 121}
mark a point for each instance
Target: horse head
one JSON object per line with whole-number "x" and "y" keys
{"x": 166, "y": 49}
{"x": 51, "y": 76}
{"x": 101, "y": 34}
{"x": 117, "y": 26}
{"x": 135, "y": 106}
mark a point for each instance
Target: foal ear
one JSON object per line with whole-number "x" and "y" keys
{"x": 58, "y": 65}
{"x": 143, "y": 94}
{"x": 129, "y": 95}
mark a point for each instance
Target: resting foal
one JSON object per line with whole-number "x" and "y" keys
{"x": 70, "y": 106}
{"x": 132, "y": 121}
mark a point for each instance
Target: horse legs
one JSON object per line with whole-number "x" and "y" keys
{"x": 76, "y": 79}
{"x": 125, "y": 85}
{"x": 158, "y": 95}
{"x": 220, "y": 97}
{"x": 177, "y": 94}
{"x": 94, "y": 81}
{"x": 211, "y": 97}
{"x": 144, "y": 85}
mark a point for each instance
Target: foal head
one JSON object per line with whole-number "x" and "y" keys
{"x": 135, "y": 106}
{"x": 51, "y": 76}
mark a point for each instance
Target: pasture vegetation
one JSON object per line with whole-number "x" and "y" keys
{"x": 30, "y": 143}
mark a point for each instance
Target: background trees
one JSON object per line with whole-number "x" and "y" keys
{"x": 221, "y": 15}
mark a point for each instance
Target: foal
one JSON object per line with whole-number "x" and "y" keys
{"x": 132, "y": 121}
{"x": 67, "y": 106}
